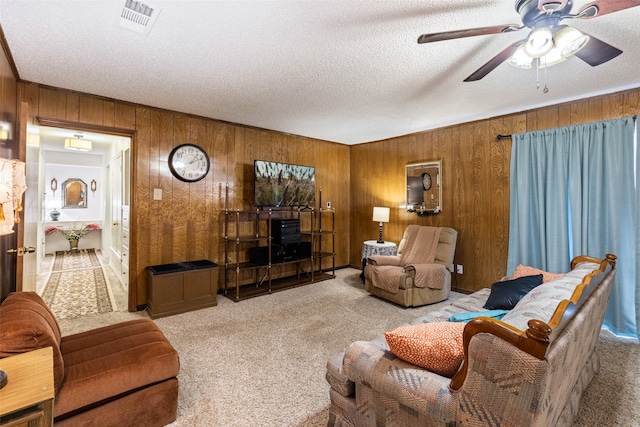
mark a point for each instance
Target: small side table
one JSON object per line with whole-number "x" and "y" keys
{"x": 372, "y": 247}
{"x": 28, "y": 395}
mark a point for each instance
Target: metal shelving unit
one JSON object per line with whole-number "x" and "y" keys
{"x": 246, "y": 229}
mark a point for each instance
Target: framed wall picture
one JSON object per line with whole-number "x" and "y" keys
{"x": 424, "y": 186}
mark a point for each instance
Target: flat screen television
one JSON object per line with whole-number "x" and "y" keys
{"x": 282, "y": 184}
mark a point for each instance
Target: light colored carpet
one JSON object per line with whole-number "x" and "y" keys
{"x": 261, "y": 362}
{"x": 77, "y": 285}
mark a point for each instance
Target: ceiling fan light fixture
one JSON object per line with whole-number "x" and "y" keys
{"x": 539, "y": 42}
{"x": 553, "y": 57}
{"x": 520, "y": 59}
{"x": 570, "y": 40}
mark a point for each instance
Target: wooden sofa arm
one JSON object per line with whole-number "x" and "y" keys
{"x": 609, "y": 259}
{"x": 533, "y": 341}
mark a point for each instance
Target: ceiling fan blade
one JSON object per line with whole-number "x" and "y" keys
{"x": 471, "y": 32}
{"x": 494, "y": 62}
{"x": 597, "y": 52}
{"x": 607, "y": 6}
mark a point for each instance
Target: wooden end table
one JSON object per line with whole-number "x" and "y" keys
{"x": 372, "y": 247}
{"x": 27, "y": 399}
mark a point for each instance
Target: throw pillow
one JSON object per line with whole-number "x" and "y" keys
{"x": 525, "y": 270}
{"x": 506, "y": 294}
{"x": 470, "y": 315}
{"x": 436, "y": 346}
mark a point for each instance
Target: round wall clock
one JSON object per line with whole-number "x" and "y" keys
{"x": 189, "y": 163}
{"x": 426, "y": 181}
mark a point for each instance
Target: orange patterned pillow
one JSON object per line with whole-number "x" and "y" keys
{"x": 525, "y": 270}
{"x": 436, "y": 346}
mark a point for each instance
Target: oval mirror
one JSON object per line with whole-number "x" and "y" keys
{"x": 74, "y": 194}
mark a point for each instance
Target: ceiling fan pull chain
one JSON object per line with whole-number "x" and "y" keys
{"x": 546, "y": 89}
{"x": 537, "y": 73}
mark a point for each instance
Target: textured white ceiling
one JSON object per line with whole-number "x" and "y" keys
{"x": 345, "y": 71}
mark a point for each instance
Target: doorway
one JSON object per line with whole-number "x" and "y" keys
{"x": 77, "y": 192}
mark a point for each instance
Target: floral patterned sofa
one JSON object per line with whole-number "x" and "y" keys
{"x": 528, "y": 369}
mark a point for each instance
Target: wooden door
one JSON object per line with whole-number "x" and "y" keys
{"x": 115, "y": 203}
{"x": 32, "y": 222}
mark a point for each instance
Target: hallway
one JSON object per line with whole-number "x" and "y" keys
{"x": 119, "y": 294}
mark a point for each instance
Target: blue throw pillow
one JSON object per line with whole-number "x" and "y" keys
{"x": 506, "y": 294}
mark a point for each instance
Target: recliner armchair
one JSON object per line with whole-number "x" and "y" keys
{"x": 421, "y": 272}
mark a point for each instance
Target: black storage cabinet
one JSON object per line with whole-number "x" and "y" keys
{"x": 181, "y": 287}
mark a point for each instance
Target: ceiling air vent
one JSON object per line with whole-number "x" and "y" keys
{"x": 138, "y": 16}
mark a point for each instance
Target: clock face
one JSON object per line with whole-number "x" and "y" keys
{"x": 426, "y": 181}
{"x": 189, "y": 163}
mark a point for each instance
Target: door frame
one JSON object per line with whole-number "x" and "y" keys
{"x": 130, "y": 133}
{"x": 11, "y": 265}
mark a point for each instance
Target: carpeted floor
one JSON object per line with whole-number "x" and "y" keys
{"x": 77, "y": 285}
{"x": 261, "y": 362}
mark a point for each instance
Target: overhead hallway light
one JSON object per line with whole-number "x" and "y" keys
{"x": 78, "y": 143}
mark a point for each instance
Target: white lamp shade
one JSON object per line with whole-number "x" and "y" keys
{"x": 552, "y": 57}
{"x": 520, "y": 59}
{"x": 540, "y": 41}
{"x": 569, "y": 41}
{"x": 381, "y": 214}
{"x": 6, "y": 225}
{"x": 6, "y": 193}
{"x": 12, "y": 186}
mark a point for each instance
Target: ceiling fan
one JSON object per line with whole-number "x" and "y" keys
{"x": 549, "y": 41}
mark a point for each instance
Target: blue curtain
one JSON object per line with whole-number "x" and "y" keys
{"x": 637, "y": 233}
{"x": 573, "y": 192}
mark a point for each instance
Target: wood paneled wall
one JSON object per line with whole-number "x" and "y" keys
{"x": 475, "y": 176}
{"x": 187, "y": 223}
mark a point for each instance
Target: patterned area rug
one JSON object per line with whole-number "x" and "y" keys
{"x": 77, "y": 285}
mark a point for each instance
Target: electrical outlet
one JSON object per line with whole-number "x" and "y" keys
{"x": 459, "y": 268}
{"x": 157, "y": 194}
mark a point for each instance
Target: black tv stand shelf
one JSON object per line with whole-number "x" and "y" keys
{"x": 268, "y": 250}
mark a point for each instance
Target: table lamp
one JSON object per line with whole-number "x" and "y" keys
{"x": 380, "y": 215}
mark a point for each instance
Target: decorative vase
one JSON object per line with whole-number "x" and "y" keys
{"x": 73, "y": 244}
{"x": 54, "y": 214}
